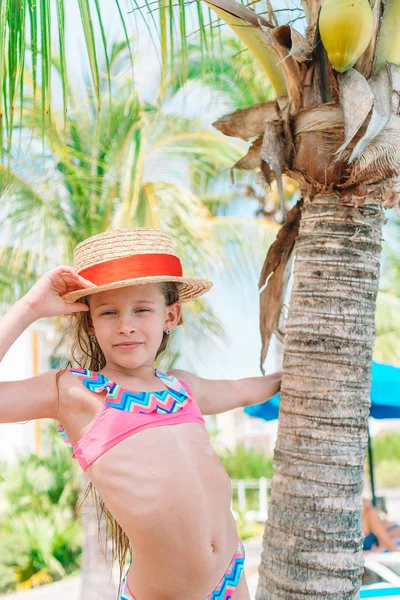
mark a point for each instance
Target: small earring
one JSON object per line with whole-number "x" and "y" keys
{"x": 93, "y": 338}
{"x": 168, "y": 331}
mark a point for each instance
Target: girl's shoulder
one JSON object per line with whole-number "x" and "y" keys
{"x": 180, "y": 374}
{"x": 185, "y": 377}
{"x": 69, "y": 375}
{"x": 73, "y": 396}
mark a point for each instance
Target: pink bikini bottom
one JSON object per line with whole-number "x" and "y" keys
{"x": 226, "y": 586}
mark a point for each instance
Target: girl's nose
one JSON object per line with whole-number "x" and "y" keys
{"x": 127, "y": 325}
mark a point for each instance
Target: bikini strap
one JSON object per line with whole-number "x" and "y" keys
{"x": 166, "y": 401}
{"x": 97, "y": 382}
{"x": 64, "y": 435}
{"x": 172, "y": 382}
{"x": 163, "y": 401}
{"x": 93, "y": 381}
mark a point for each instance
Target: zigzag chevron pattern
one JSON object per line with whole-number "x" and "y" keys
{"x": 64, "y": 435}
{"x": 224, "y": 590}
{"x": 164, "y": 401}
{"x": 229, "y": 582}
{"x": 125, "y": 593}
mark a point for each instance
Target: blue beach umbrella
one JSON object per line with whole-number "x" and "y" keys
{"x": 385, "y": 404}
{"x": 385, "y": 391}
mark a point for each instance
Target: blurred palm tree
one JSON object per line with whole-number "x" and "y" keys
{"x": 236, "y": 81}
{"x": 234, "y": 73}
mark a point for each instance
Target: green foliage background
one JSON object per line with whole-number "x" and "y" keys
{"x": 40, "y": 530}
{"x": 245, "y": 463}
{"x": 386, "y": 453}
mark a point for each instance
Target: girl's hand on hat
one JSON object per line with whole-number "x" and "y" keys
{"x": 45, "y": 299}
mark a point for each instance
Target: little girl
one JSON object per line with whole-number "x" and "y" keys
{"x": 137, "y": 431}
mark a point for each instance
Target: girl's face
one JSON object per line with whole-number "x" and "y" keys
{"x": 129, "y": 323}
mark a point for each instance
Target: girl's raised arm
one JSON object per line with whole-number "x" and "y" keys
{"x": 36, "y": 397}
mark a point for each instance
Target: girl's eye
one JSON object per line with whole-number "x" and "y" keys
{"x": 112, "y": 312}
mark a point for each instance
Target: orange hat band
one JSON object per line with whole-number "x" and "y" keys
{"x": 133, "y": 267}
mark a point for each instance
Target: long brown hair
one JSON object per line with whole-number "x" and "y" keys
{"x": 87, "y": 353}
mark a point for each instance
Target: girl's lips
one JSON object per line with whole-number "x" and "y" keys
{"x": 128, "y": 346}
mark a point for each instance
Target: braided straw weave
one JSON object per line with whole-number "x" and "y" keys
{"x": 120, "y": 243}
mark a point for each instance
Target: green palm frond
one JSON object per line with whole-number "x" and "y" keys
{"x": 241, "y": 247}
{"x": 18, "y": 272}
{"x": 235, "y": 74}
{"x": 27, "y": 38}
{"x": 104, "y": 180}
{"x": 40, "y": 534}
{"x": 245, "y": 242}
{"x": 28, "y": 29}
{"x": 200, "y": 157}
{"x": 40, "y": 537}
{"x": 206, "y": 19}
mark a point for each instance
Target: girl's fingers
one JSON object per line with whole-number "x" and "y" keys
{"x": 82, "y": 280}
{"x": 77, "y": 307}
{"x": 71, "y": 274}
{"x": 74, "y": 284}
{"x": 65, "y": 269}
{"x": 86, "y": 282}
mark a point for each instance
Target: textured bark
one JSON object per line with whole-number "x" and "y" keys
{"x": 313, "y": 538}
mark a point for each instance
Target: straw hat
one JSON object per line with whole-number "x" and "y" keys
{"x": 123, "y": 257}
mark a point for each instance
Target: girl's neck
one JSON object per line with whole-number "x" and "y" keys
{"x": 144, "y": 372}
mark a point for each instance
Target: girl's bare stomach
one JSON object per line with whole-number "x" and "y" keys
{"x": 169, "y": 492}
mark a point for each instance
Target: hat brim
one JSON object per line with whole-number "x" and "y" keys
{"x": 189, "y": 287}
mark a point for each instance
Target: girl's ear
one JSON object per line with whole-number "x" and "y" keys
{"x": 173, "y": 315}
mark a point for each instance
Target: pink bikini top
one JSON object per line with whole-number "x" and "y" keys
{"x": 125, "y": 413}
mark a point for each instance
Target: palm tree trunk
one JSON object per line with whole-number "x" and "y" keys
{"x": 97, "y": 583}
{"x": 313, "y": 537}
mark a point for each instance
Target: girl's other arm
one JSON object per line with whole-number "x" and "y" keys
{"x": 218, "y": 396}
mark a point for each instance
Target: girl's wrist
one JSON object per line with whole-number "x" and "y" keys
{"x": 27, "y": 314}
